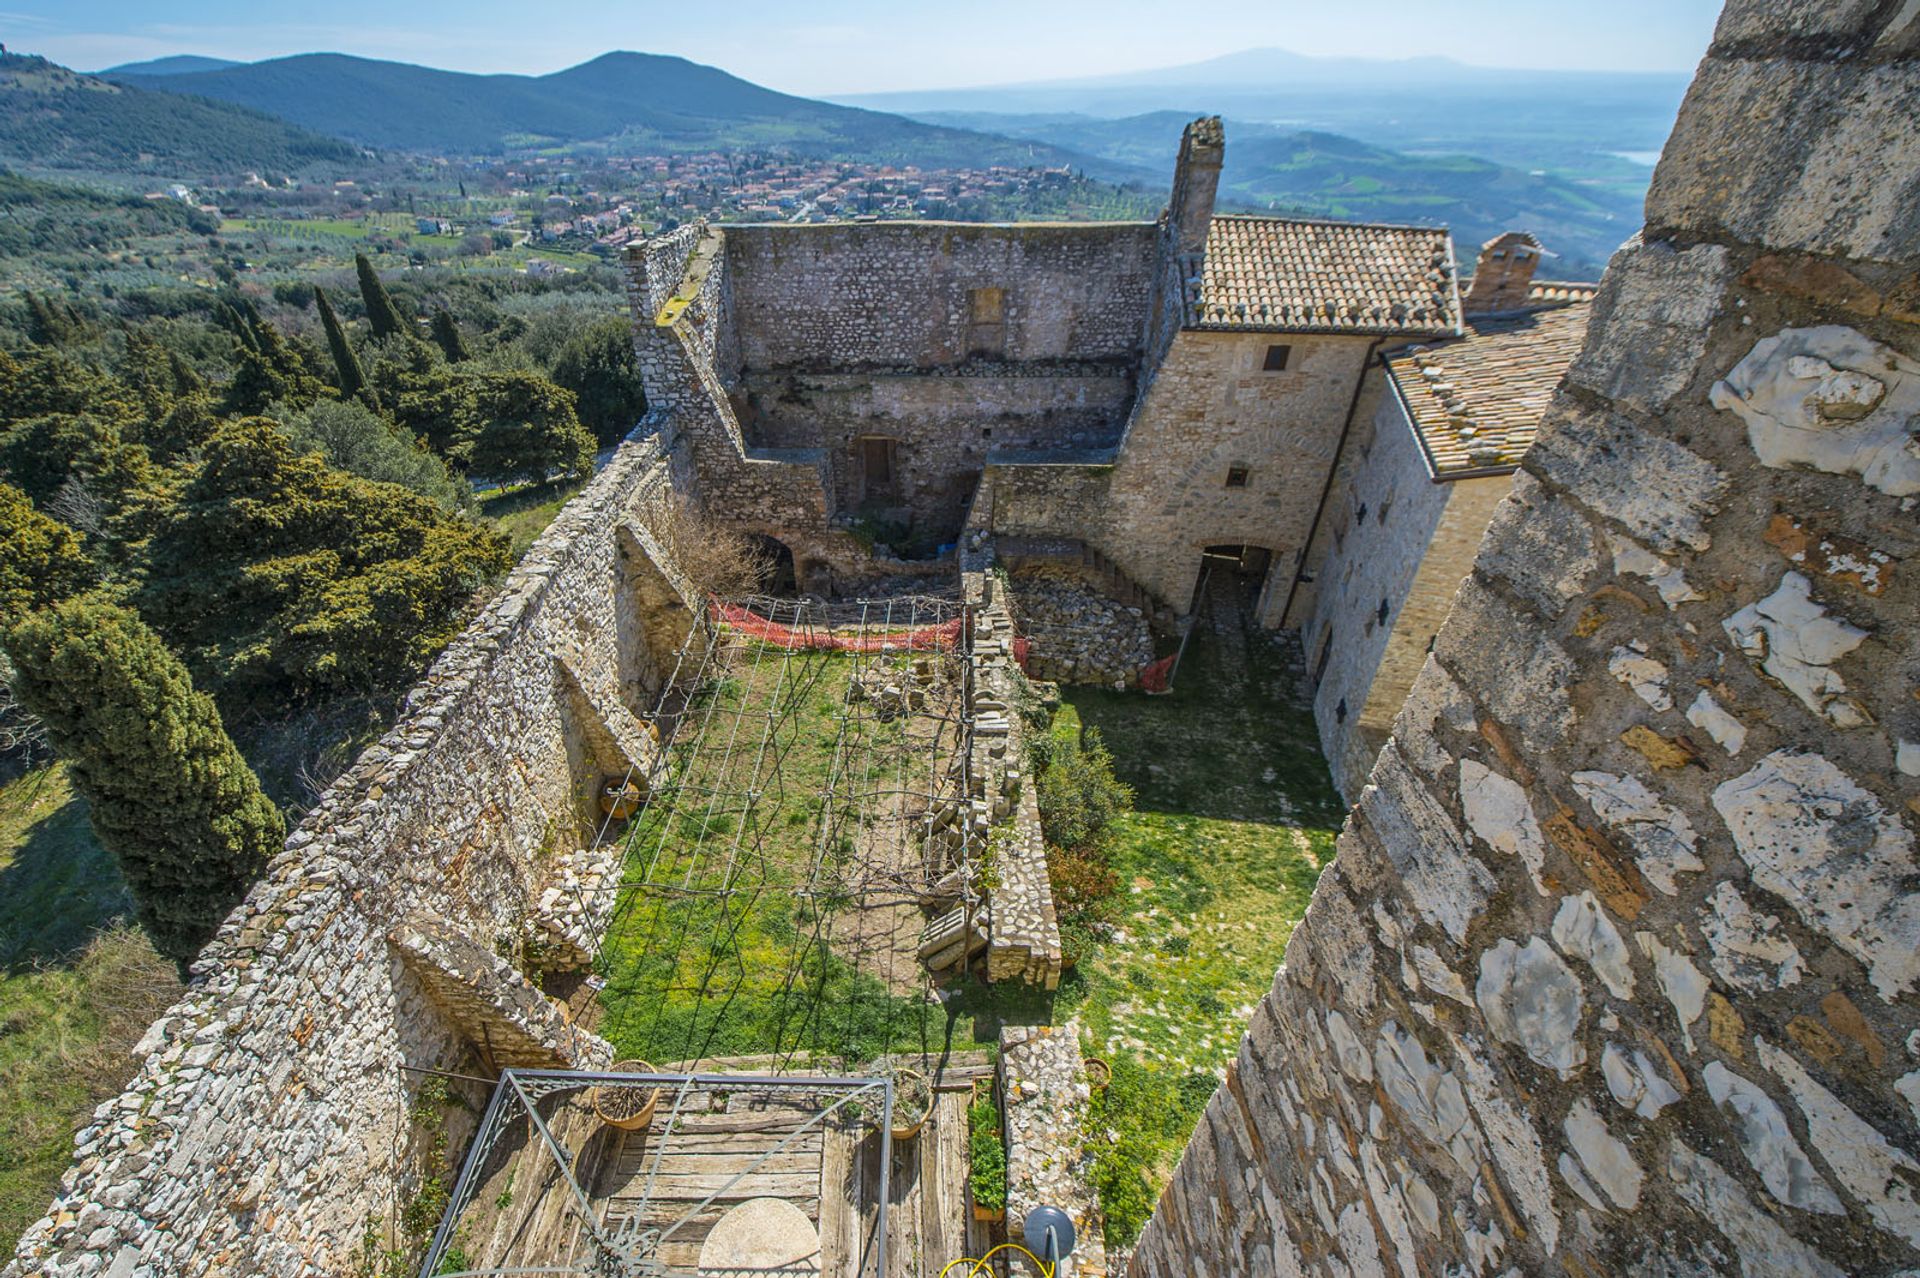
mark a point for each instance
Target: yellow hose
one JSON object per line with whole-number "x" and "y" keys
{"x": 979, "y": 1266}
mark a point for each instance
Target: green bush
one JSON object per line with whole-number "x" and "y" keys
{"x": 986, "y": 1156}
{"x": 1079, "y": 795}
{"x": 1136, "y": 1127}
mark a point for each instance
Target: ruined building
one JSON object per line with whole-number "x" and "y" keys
{"x": 1615, "y": 971}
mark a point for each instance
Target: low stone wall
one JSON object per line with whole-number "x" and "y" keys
{"x": 1077, "y": 635}
{"x": 1044, "y": 1086}
{"x": 1614, "y": 972}
{"x": 266, "y": 1130}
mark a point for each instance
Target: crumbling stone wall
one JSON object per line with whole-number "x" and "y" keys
{"x": 907, "y": 294}
{"x": 1615, "y": 969}
{"x": 266, "y": 1129}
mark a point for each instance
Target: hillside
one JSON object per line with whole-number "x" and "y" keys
{"x": 178, "y": 64}
{"x": 633, "y": 102}
{"x": 44, "y": 218}
{"x": 56, "y": 118}
{"x": 1327, "y": 175}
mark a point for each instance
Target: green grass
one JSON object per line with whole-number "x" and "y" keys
{"x": 1234, "y": 817}
{"x": 766, "y": 967}
{"x": 523, "y": 513}
{"x": 73, "y": 998}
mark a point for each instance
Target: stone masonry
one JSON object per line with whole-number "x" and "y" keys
{"x": 260, "y": 1135}
{"x": 1615, "y": 971}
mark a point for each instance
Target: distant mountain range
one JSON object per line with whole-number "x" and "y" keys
{"x": 632, "y": 103}
{"x": 1326, "y": 175}
{"x": 1591, "y": 126}
{"x": 56, "y": 118}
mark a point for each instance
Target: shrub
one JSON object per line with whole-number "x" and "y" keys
{"x": 986, "y": 1156}
{"x": 1079, "y": 795}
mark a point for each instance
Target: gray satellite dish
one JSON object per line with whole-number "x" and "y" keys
{"x": 1049, "y": 1234}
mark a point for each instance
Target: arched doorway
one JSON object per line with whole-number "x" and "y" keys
{"x": 777, "y": 576}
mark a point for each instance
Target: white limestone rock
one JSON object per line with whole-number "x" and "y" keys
{"x": 1498, "y": 812}
{"x": 1635, "y": 1081}
{"x": 1348, "y": 1053}
{"x": 1631, "y": 665}
{"x": 1662, "y": 838}
{"x": 1514, "y": 1146}
{"x": 1607, "y": 1162}
{"x": 1708, "y": 715}
{"x": 1826, "y": 846}
{"x": 1427, "y": 1096}
{"x": 1796, "y": 642}
{"x": 1435, "y": 975}
{"x": 1684, "y": 984}
{"x": 1750, "y": 952}
{"x": 1763, "y": 1248}
{"x": 1581, "y": 928}
{"x": 1533, "y": 1000}
{"x": 1448, "y": 885}
{"x": 1832, "y": 399}
{"x": 1867, "y": 1166}
{"x": 1631, "y": 558}
{"x": 1765, "y": 1139}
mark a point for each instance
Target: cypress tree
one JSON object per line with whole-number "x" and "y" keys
{"x": 382, "y": 314}
{"x": 446, "y": 333}
{"x": 345, "y": 362}
{"x": 41, "y": 561}
{"x": 169, "y": 794}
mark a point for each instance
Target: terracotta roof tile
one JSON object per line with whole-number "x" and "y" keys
{"x": 1476, "y": 401}
{"x": 1270, "y": 274}
{"x": 1547, "y": 292}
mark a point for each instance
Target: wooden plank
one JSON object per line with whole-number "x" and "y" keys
{"x": 839, "y": 1217}
{"x": 943, "y": 1181}
{"x": 776, "y": 1185}
{"x": 677, "y": 1163}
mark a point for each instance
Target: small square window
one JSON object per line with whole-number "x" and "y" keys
{"x": 1277, "y": 359}
{"x": 1236, "y": 476}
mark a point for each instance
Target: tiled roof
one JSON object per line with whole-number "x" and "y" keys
{"x": 1547, "y": 292}
{"x": 1477, "y": 400}
{"x": 1271, "y": 274}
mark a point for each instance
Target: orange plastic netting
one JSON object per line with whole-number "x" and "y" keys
{"x": 941, "y": 637}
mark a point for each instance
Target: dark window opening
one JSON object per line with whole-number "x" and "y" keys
{"x": 877, "y": 466}
{"x": 1236, "y": 476}
{"x": 1277, "y": 359}
{"x": 1360, "y": 516}
{"x": 1382, "y": 614}
{"x": 1340, "y": 711}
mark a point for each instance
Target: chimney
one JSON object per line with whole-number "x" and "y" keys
{"x": 1503, "y": 276}
{"x": 1196, "y": 176}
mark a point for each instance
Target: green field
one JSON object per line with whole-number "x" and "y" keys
{"x": 77, "y": 988}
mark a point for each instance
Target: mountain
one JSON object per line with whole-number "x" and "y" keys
{"x": 1598, "y": 127}
{"x": 178, "y": 64}
{"x": 633, "y": 102}
{"x": 1326, "y": 175}
{"x": 56, "y": 118}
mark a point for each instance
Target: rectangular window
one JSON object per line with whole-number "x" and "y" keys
{"x": 876, "y": 456}
{"x": 1236, "y": 476}
{"x": 1277, "y": 359}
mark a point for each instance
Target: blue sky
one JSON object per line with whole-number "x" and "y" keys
{"x": 870, "y": 45}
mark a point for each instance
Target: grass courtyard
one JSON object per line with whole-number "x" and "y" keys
{"x": 1234, "y": 816}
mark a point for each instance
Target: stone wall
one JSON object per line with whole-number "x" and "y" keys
{"x": 1615, "y": 969}
{"x": 923, "y": 294}
{"x": 265, "y": 1132}
{"x": 1400, "y": 545}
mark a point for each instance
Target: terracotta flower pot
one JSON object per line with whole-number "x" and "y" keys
{"x": 1099, "y": 1073}
{"x": 904, "y": 1129}
{"x": 628, "y": 1106}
